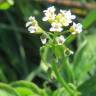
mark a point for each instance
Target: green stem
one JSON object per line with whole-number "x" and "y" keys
{"x": 64, "y": 32}
{"x": 58, "y": 33}
{"x": 61, "y": 80}
{"x": 70, "y": 38}
{"x": 45, "y": 33}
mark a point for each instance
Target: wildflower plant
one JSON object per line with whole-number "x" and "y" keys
{"x": 55, "y": 52}
{"x": 64, "y": 72}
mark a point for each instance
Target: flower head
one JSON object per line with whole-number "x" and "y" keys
{"x": 76, "y": 28}
{"x": 65, "y": 17}
{"x": 58, "y": 21}
{"x": 56, "y": 27}
{"x": 49, "y": 14}
{"x": 32, "y": 25}
{"x": 60, "y": 40}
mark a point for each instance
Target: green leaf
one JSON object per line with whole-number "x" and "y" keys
{"x": 85, "y": 59}
{"x": 89, "y": 20}
{"x": 88, "y": 88}
{"x": 2, "y": 76}
{"x": 6, "y": 4}
{"x": 14, "y": 53}
{"x": 26, "y": 92}
{"x": 60, "y": 92}
{"x": 6, "y": 90}
{"x": 28, "y": 87}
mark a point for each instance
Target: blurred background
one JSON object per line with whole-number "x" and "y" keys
{"x": 19, "y": 49}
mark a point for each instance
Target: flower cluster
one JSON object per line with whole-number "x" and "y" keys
{"x": 59, "y": 22}
{"x": 62, "y": 19}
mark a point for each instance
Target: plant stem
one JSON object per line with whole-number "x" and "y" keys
{"x": 45, "y": 33}
{"x": 70, "y": 38}
{"x": 64, "y": 32}
{"x": 61, "y": 80}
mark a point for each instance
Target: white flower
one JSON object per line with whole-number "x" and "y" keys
{"x": 71, "y": 52}
{"x": 50, "y": 10}
{"x": 56, "y": 27}
{"x": 76, "y": 28}
{"x": 32, "y": 25}
{"x": 49, "y": 14}
{"x": 68, "y": 14}
{"x": 31, "y": 18}
{"x": 65, "y": 17}
{"x": 60, "y": 40}
{"x": 32, "y": 29}
{"x": 68, "y": 52}
{"x": 43, "y": 39}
